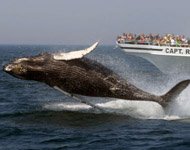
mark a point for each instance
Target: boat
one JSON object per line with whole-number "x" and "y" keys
{"x": 169, "y": 58}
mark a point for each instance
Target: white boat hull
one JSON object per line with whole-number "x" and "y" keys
{"x": 168, "y": 59}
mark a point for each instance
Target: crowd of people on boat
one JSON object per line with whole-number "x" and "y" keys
{"x": 150, "y": 39}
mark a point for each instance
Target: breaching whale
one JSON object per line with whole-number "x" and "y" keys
{"x": 73, "y": 73}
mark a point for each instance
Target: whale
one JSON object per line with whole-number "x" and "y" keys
{"x": 73, "y": 73}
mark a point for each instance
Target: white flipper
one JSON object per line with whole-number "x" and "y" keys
{"x": 79, "y": 100}
{"x": 75, "y": 54}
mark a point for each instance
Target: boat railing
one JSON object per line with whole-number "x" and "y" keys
{"x": 153, "y": 44}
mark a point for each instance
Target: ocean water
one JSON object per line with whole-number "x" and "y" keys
{"x": 35, "y": 116}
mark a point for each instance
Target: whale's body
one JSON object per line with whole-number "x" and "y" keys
{"x": 82, "y": 76}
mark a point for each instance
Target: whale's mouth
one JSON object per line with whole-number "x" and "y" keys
{"x": 15, "y": 70}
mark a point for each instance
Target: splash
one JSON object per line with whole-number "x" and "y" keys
{"x": 136, "y": 109}
{"x": 178, "y": 109}
{"x": 60, "y": 106}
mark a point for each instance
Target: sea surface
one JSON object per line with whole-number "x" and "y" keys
{"x": 36, "y": 117}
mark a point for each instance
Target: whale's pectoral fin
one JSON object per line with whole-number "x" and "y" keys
{"x": 75, "y": 54}
{"x": 79, "y": 99}
{"x": 174, "y": 92}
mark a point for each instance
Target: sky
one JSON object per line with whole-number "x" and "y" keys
{"x": 86, "y": 21}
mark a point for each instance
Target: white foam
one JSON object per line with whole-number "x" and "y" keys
{"x": 66, "y": 106}
{"x": 166, "y": 117}
{"x": 136, "y": 109}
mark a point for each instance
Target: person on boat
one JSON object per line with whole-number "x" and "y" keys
{"x": 184, "y": 40}
{"x": 172, "y": 41}
{"x": 142, "y": 39}
{"x": 178, "y": 42}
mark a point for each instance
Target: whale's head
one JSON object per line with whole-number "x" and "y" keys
{"x": 46, "y": 67}
{"x": 42, "y": 66}
{"x": 29, "y": 68}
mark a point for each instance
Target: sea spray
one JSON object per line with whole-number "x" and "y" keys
{"x": 135, "y": 109}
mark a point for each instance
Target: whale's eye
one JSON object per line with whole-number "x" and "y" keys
{"x": 17, "y": 69}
